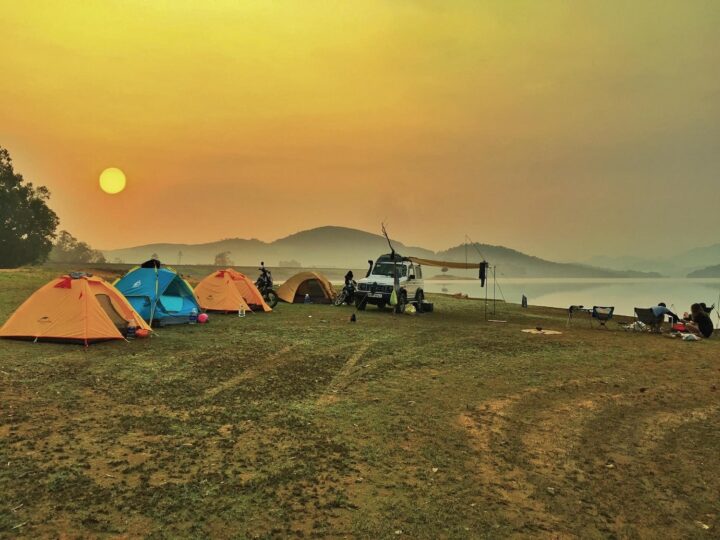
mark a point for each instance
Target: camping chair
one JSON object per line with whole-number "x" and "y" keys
{"x": 647, "y": 317}
{"x": 572, "y": 310}
{"x": 602, "y": 314}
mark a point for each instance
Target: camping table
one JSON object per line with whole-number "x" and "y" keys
{"x": 572, "y": 310}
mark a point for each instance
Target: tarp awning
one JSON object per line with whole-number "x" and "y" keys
{"x": 445, "y": 264}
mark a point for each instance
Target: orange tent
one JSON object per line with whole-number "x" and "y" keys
{"x": 312, "y": 283}
{"x": 229, "y": 290}
{"x": 77, "y": 307}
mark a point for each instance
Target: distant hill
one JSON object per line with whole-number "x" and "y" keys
{"x": 321, "y": 247}
{"x": 701, "y": 256}
{"x": 513, "y": 263}
{"x": 707, "y": 272}
{"x": 343, "y": 247}
{"x": 665, "y": 267}
{"x": 677, "y": 265}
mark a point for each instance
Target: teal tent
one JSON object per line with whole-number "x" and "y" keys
{"x": 159, "y": 294}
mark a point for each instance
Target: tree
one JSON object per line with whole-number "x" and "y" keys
{"x": 223, "y": 259}
{"x": 27, "y": 225}
{"x": 67, "y": 248}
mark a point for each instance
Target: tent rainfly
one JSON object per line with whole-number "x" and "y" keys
{"x": 77, "y": 308}
{"x": 229, "y": 290}
{"x": 314, "y": 284}
{"x": 158, "y": 294}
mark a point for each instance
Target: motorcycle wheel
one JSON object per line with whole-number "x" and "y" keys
{"x": 271, "y": 299}
{"x": 340, "y": 299}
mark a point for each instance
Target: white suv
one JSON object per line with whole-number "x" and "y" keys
{"x": 377, "y": 286}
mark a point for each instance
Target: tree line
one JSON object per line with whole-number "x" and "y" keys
{"x": 28, "y": 227}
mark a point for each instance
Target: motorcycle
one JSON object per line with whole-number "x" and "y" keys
{"x": 264, "y": 284}
{"x": 347, "y": 295}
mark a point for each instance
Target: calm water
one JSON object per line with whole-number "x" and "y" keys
{"x": 624, "y": 294}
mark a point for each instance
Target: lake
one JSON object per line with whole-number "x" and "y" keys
{"x": 624, "y": 294}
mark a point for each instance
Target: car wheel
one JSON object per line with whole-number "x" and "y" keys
{"x": 419, "y": 298}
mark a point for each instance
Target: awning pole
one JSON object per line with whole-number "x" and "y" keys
{"x": 486, "y": 302}
{"x": 157, "y": 288}
{"x": 494, "y": 289}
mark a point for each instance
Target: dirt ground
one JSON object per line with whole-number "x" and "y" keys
{"x": 298, "y": 423}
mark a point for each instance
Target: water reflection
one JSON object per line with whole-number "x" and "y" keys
{"x": 624, "y": 294}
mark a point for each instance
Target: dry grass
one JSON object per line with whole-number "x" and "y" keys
{"x": 286, "y": 425}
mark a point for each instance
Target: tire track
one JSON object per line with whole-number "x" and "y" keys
{"x": 248, "y": 373}
{"x": 341, "y": 379}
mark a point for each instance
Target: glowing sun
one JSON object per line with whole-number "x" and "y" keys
{"x": 112, "y": 180}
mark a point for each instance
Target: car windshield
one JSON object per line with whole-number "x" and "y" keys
{"x": 386, "y": 269}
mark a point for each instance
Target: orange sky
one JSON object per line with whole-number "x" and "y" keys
{"x": 565, "y": 129}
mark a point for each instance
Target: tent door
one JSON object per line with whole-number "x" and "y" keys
{"x": 117, "y": 319}
{"x": 314, "y": 289}
{"x": 171, "y": 303}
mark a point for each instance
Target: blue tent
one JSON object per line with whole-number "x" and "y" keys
{"x": 158, "y": 294}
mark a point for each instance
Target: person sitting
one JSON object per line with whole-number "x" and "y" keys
{"x": 700, "y": 322}
{"x": 661, "y": 310}
{"x": 349, "y": 278}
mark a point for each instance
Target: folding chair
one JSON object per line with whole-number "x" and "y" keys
{"x": 647, "y": 317}
{"x": 602, "y": 314}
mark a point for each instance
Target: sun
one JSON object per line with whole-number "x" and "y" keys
{"x": 112, "y": 180}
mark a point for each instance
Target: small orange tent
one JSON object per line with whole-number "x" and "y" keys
{"x": 229, "y": 290}
{"x": 77, "y": 307}
{"x": 312, "y": 283}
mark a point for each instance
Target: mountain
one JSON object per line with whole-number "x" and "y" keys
{"x": 677, "y": 265}
{"x": 707, "y": 272}
{"x": 513, "y": 263}
{"x": 342, "y": 247}
{"x": 321, "y": 247}
{"x": 339, "y": 247}
{"x": 639, "y": 264}
{"x": 700, "y": 258}
{"x": 191, "y": 253}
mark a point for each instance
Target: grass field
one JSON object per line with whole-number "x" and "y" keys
{"x": 299, "y": 424}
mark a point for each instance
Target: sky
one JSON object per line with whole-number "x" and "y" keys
{"x": 565, "y": 129}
